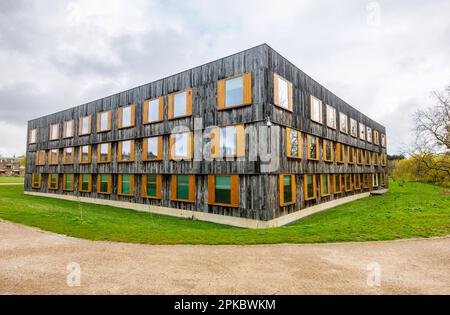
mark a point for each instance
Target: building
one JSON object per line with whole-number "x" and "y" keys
{"x": 10, "y": 166}
{"x": 247, "y": 140}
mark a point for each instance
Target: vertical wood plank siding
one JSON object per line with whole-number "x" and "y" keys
{"x": 258, "y": 190}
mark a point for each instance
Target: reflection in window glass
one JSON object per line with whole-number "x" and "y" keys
{"x": 179, "y": 104}
{"x": 294, "y": 143}
{"x": 181, "y": 145}
{"x": 126, "y": 150}
{"x": 85, "y": 125}
{"x": 126, "y": 184}
{"x": 85, "y": 182}
{"x": 228, "y": 141}
{"x": 283, "y": 93}
{"x": 234, "y": 92}
{"x": 152, "y": 148}
{"x": 153, "y": 110}
{"x": 104, "y": 183}
{"x": 68, "y": 131}
{"x": 104, "y": 152}
{"x": 287, "y": 188}
{"x": 151, "y": 185}
{"x": 126, "y": 116}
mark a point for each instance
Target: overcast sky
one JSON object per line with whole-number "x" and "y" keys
{"x": 382, "y": 57}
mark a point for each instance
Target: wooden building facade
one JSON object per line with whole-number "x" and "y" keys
{"x": 192, "y": 141}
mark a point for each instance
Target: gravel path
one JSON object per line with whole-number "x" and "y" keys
{"x": 35, "y": 262}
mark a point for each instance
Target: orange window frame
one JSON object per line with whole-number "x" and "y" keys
{"x": 99, "y": 152}
{"x": 53, "y": 160}
{"x": 65, "y": 162}
{"x": 171, "y": 101}
{"x": 324, "y": 147}
{"x": 80, "y": 183}
{"x": 240, "y": 142}
{"x": 33, "y": 176}
{"x": 246, "y": 90}
{"x": 99, "y": 121}
{"x": 120, "y": 153}
{"x": 108, "y": 192}
{"x": 340, "y": 152}
{"x": 50, "y": 181}
{"x": 145, "y": 149}
{"x": 276, "y": 94}
{"x": 289, "y": 145}
{"x": 335, "y": 191}
{"x": 305, "y": 186}
{"x": 174, "y": 185}
{"x": 158, "y": 187}
{"x": 281, "y": 190}
{"x": 80, "y": 155}
{"x": 120, "y": 185}
{"x": 80, "y": 126}
{"x": 133, "y": 116}
{"x": 308, "y": 140}
{"x": 72, "y": 129}
{"x": 322, "y": 192}
{"x": 145, "y": 110}
{"x": 234, "y": 189}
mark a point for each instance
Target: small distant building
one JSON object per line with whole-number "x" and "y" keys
{"x": 10, "y": 166}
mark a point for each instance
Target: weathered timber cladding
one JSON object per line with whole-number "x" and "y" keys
{"x": 258, "y": 189}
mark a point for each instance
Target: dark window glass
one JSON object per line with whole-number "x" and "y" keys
{"x": 69, "y": 180}
{"x": 287, "y": 187}
{"x": 85, "y": 182}
{"x": 104, "y": 183}
{"x": 126, "y": 184}
{"x": 183, "y": 187}
{"x": 151, "y": 185}
{"x": 310, "y": 185}
{"x": 223, "y": 189}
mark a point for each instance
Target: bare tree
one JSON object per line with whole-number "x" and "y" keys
{"x": 432, "y": 128}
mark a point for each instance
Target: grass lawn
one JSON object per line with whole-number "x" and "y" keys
{"x": 13, "y": 179}
{"x": 413, "y": 210}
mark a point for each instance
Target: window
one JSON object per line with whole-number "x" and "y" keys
{"x": 36, "y": 180}
{"x": 53, "y": 157}
{"x": 353, "y": 128}
{"x": 69, "y": 130}
{"x": 68, "y": 182}
{"x": 85, "y": 125}
{"x": 33, "y": 136}
{"x": 357, "y": 181}
{"x": 383, "y": 159}
{"x": 313, "y": 147}
{"x": 126, "y": 185}
{"x": 85, "y": 155}
{"x": 223, "y": 190}
{"x": 54, "y": 132}
{"x": 367, "y": 161}
{"x": 340, "y": 152}
{"x": 85, "y": 184}
{"x": 68, "y": 155}
{"x": 383, "y": 140}
{"x": 126, "y": 151}
{"x": 228, "y": 141}
{"x": 287, "y": 189}
{"x": 369, "y": 134}
{"x": 152, "y": 149}
{"x": 382, "y": 179}
{"x": 375, "y": 158}
{"x": 104, "y": 153}
{"x": 104, "y": 121}
{"x": 374, "y": 180}
{"x": 293, "y": 143}
{"x": 153, "y": 110}
{"x": 348, "y": 182}
{"x": 337, "y": 184}
{"x": 282, "y": 93}
{"x": 40, "y": 157}
{"x": 360, "y": 159}
{"x": 234, "y": 92}
{"x": 309, "y": 182}
{"x": 180, "y": 104}
{"x": 331, "y": 117}
{"x": 375, "y": 137}
{"x": 325, "y": 188}
{"x": 316, "y": 109}
{"x": 53, "y": 181}
{"x": 362, "y": 131}
{"x": 104, "y": 184}
{"x": 351, "y": 154}
{"x": 366, "y": 181}
{"x": 181, "y": 146}
{"x": 151, "y": 186}
{"x": 327, "y": 150}
{"x": 343, "y": 124}
{"x": 183, "y": 188}
{"x": 127, "y": 116}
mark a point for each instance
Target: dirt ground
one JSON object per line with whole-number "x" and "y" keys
{"x": 36, "y": 262}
